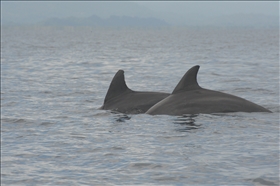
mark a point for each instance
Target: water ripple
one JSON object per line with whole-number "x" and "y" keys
{"x": 53, "y": 81}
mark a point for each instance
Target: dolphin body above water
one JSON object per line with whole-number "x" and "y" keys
{"x": 124, "y": 100}
{"x": 189, "y": 98}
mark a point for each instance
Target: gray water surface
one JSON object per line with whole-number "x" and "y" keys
{"x": 53, "y": 80}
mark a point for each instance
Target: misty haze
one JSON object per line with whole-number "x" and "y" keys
{"x": 221, "y": 14}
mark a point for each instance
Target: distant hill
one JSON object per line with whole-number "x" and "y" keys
{"x": 31, "y": 12}
{"x": 115, "y": 21}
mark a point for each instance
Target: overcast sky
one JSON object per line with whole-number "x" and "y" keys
{"x": 215, "y": 7}
{"x": 199, "y": 11}
{"x": 180, "y": 12}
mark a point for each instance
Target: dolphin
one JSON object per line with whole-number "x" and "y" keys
{"x": 124, "y": 100}
{"x": 189, "y": 98}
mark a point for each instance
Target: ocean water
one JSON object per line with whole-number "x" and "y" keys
{"x": 54, "y": 79}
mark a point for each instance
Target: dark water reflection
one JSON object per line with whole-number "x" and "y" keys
{"x": 187, "y": 122}
{"x": 120, "y": 117}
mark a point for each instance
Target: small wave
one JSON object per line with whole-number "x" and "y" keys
{"x": 9, "y": 104}
{"x": 143, "y": 165}
{"x": 101, "y": 113}
{"x": 46, "y": 92}
{"x": 262, "y": 181}
{"x": 77, "y": 136}
{"x": 45, "y": 123}
{"x": 16, "y": 120}
{"x": 117, "y": 148}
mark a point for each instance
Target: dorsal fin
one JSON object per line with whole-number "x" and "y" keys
{"x": 188, "y": 81}
{"x": 117, "y": 86}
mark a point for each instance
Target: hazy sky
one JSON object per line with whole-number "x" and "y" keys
{"x": 214, "y": 7}
{"x": 180, "y": 12}
{"x": 190, "y": 11}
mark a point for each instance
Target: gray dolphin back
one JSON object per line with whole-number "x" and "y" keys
{"x": 189, "y": 98}
{"x": 124, "y": 100}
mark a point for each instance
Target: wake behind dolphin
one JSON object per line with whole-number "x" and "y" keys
{"x": 189, "y": 98}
